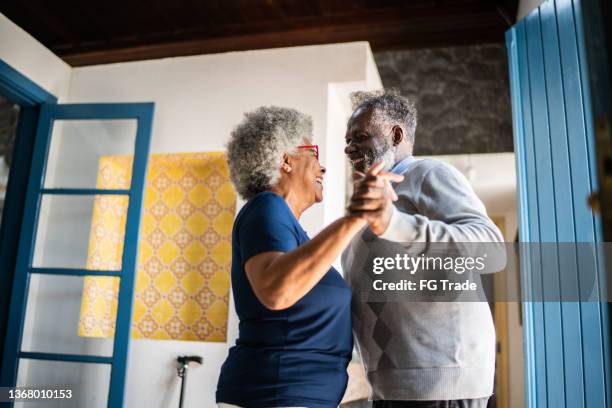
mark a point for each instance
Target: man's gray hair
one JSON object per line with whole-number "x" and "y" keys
{"x": 388, "y": 107}
{"x": 256, "y": 146}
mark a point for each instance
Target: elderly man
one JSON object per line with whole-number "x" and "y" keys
{"x": 416, "y": 353}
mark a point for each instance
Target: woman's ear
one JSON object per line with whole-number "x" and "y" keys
{"x": 286, "y": 165}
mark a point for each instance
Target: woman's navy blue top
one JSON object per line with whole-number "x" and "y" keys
{"x": 296, "y": 357}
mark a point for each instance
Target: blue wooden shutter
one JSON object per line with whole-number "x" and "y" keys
{"x": 566, "y": 343}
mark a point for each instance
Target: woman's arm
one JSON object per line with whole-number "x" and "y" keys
{"x": 280, "y": 279}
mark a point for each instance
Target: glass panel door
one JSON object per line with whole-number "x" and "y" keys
{"x": 68, "y": 201}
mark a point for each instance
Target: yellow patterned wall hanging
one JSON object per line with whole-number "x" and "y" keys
{"x": 184, "y": 252}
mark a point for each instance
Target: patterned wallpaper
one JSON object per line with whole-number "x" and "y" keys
{"x": 183, "y": 273}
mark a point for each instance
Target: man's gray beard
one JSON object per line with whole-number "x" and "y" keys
{"x": 386, "y": 155}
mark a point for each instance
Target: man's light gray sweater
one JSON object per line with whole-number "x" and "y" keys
{"x": 425, "y": 350}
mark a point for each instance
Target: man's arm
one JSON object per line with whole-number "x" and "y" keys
{"x": 450, "y": 218}
{"x": 448, "y": 211}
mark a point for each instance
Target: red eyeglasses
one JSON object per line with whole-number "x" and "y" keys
{"x": 314, "y": 148}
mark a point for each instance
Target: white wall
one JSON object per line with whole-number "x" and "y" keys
{"x": 526, "y": 6}
{"x": 22, "y": 52}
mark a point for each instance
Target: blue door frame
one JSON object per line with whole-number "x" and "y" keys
{"x": 29, "y": 96}
{"x": 567, "y": 344}
{"x": 19, "y": 220}
{"x": 143, "y": 113}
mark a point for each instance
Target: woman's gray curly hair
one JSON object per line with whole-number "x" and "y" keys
{"x": 388, "y": 107}
{"x": 256, "y": 146}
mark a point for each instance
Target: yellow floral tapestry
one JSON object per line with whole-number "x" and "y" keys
{"x": 184, "y": 249}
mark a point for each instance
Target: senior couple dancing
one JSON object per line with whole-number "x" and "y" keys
{"x": 297, "y": 315}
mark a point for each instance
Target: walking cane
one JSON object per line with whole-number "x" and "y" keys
{"x": 183, "y": 365}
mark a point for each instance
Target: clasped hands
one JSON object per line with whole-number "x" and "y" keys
{"x": 373, "y": 197}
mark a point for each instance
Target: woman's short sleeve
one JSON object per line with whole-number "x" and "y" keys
{"x": 268, "y": 226}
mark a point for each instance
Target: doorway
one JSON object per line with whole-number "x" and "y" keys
{"x": 51, "y": 192}
{"x": 21, "y": 100}
{"x": 9, "y": 116}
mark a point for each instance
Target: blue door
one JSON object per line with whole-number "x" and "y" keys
{"x": 44, "y": 345}
{"x": 566, "y": 343}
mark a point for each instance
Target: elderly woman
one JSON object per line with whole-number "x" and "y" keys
{"x": 295, "y": 338}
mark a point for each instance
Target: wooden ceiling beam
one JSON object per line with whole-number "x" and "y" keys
{"x": 381, "y": 38}
{"x": 443, "y": 17}
{"x": 98, "y": 35}
{"x": 449, "y": 20}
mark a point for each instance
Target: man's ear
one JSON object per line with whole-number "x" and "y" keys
{"x": 286, "y": 165}
{"x": 398, "y": 135}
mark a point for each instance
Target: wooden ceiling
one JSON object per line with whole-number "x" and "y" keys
{"x": 104, "y": 31}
